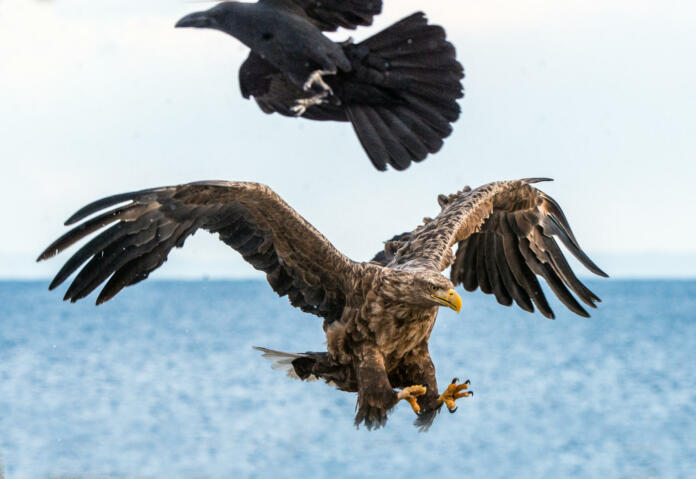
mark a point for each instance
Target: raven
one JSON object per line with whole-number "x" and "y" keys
{"x": 398, "y": 88}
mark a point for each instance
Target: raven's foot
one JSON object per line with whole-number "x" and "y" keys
{"x": 302, "y": 104}
{"x": 455, "y": 391}
{"x": 315, "y": 79}
{"x": 410, "y": 394}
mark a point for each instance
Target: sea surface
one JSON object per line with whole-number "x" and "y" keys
{"x": 162, "y": 382}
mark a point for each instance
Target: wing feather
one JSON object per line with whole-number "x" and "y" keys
{"x": 500, "y": 289}
{"x": 329, "y": 15}
{"x": 543, "y": 270}
{"x": 514, "y": 289}
{"x": 481, "y": 272}
{"x": 506, "y": 235}
{"x": 469, "y": 281}
{"x": 249, "y": 217}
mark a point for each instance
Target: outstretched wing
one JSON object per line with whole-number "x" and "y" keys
{"x": 249, "y": 217}
{"x": 506, "y": 234}
{"x": 328, "y": 15}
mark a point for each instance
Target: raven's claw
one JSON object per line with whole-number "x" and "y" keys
{"x": 301, "y": 105}
{"x": 316, "y": 78}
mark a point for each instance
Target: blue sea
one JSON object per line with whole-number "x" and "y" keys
{"x": 162, "y": 382}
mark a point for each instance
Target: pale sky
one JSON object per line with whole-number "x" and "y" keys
{"x": 98, "y": 98}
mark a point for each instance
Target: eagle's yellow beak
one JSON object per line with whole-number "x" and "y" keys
{"x": 450, "y": 299}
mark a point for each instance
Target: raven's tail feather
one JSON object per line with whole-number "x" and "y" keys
{"x": 414, "y": 65}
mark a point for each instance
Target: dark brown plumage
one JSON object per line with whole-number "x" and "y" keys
{"x": 378, "y": 316}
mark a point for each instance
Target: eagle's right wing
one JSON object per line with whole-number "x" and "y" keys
{"x": 505, "y": 234}
{"x": 249, "y": 217}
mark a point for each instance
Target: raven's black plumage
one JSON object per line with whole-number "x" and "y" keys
{"x": 398, "y": 88}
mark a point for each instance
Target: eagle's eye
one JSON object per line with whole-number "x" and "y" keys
{"x": 434, "y": 287}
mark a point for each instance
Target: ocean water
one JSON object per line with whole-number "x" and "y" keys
{"x": 162, "y": 382}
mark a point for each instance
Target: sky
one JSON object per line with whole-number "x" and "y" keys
{"x": 98, "y": 98}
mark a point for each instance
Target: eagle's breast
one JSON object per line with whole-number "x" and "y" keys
{"x": 400, "y": 330}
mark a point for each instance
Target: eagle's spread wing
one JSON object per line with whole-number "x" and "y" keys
{"x": 328, "y": 15}
{"x": 505, "y": 233}
{"x": 271, "y": 89}
{"x": 249, "y": 217}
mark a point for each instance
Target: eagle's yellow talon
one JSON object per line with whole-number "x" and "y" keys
{"x": 410, "y": 394}
{"x": 454, "y": 392}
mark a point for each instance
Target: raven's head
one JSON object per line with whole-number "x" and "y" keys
{"x": 219, "y": 17}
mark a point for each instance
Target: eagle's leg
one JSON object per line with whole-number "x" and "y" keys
{"x": 417, "y": 367}
{"x": 315, "y": 79}
{"x": 301, "y": 105}
{"x": 453, "y": 392}
{"x": 375, "y": 394}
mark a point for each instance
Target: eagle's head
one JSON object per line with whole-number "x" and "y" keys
{"x": 439, "y": 290}
{"x": 426, "y": 289}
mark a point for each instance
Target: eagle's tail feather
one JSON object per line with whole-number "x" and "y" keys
{"x": 413, "y": 63}
{"x": 296, "y": 365}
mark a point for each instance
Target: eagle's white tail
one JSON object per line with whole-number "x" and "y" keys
{"x": 283, "y": 361}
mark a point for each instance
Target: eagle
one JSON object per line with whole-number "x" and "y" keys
{"x": 377, "y": 315}
{"x": 398, "y": 89}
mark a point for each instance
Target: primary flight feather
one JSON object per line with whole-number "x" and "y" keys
{"x": 378, "y": 315}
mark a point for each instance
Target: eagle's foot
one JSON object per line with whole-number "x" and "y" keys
{"x": 302, "y": 104}
{"x": 315, "y": 79}
{"x": 453, "y": 392}
{"x": 410, "y": 394}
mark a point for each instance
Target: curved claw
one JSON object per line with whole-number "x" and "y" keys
{"x": 302, "y": 104}
{"x": 453, "y": 392}
{"x": 315, "y": 78}
{"x": 298, "y": 109}
{"x": 452, "y": 411}
{"x": 410, "y": 394}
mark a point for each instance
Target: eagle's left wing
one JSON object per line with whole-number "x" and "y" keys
{"x": 505, "y": 233}
{"x": 328, "y": 15}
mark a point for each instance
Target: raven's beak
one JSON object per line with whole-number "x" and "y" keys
{"x": 451, "y": 299}
{"x": 196, "y": 20}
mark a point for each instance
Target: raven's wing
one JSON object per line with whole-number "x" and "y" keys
{"x": 391, "y": 246}
{"x": 249, "y": 217}
{"x": 329, "y": 15}
{"x": 505, "y": 233}
{"x": 274, "y": 92}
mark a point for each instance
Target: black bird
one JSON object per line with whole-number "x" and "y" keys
{"x": 398, "y": 88}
